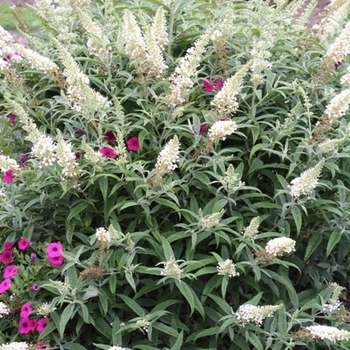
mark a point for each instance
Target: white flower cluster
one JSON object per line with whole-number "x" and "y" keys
{"x": 116, "y": 348}
{"x": 338, "y": 106}
{"x": 4, "y": 309}
{"x": 37, "y": 61}
{"x": 251, "y": 230}
{"x": 333, "y": 303}
{"x": 103, "y": 235}
{"x": 15, "y": 346}
{"x": 7, "y": 163}
{"x": 143, "y": 324}
{"x": 248, "y": 313}
{"x": 220, "y": 129}
{"x": 45, "y": 309}
{"x": 227, "y": 268}
{"x": 329, "y": 145}
{"x": 66, "y": 159}
{"x": 328, "y": 333}
{"x": 181, "y": 81}
{"x": 167, "y": 158}
{"x": 225, "y": 101}
{"x": 210, "y": 221}
{"x": 341, "y": 46}
{"x": 345, "y": 79}
{"x": 278, "y": 246}
{"x": 44, "y": 149}
{"x": 172, "y": 269}
{"x": 307, "y": 181}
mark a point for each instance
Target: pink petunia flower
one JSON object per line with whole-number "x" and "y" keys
{"x": 5, "y": 285}
{"x": 108, "y": 152}
{"x": 8, "y": 176}
{"x": 9, "y": 245}
{"x": 54, "y": 249}
{"x": 56, "y": 260}
{"x": 26, "y": 309}
{"x": 10, "y": 271}
{"x": 133, "y": 144}
{"x": 6, "y": 257}
{"x": 25, "y": 326}
{"x": 24, "y": 243}
{"x": 41, "y": 324}
{"x": 209, "y": 86}
{"x": 109, "y": 136}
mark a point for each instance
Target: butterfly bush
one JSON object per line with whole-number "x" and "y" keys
{"x": 174, "y": 175}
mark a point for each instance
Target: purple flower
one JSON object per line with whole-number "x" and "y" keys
{"x": 33, "y": 256}
{"x": 109, "y": 136}
{"x": 12, "y": 118}
{"x": 10, "y": 271}
{"x": 35, "y": 287}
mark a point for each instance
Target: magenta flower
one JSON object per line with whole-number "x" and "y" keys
{"x": 10, "y": 271}
{"x": 12, "y": 118}
{"x": 8, "y": 176}
{"x": 33, "y": 256}
{"x": 77, "y": 155}
{"x": 133, "y": 144}
{"x": 26, "y": 309}
{"x": 9, "y": 245}
{"x": 54, "y": 249}
{"x": 14, "y": 56}
{"x": 209, "y": 86}
{"x": 24, "y": 243}
{"x": 23, "y": 159}
{"x": 56, "y": 260}
{"x": 339, "y": 63}
{"x": 6, "y": 257}
{"x": 5, "y": 285}
{"x": 41, "y": 324}
{"x": 109, "y": 136}
{"x": 25, "y": 326}
{"x": 108, "y": 152}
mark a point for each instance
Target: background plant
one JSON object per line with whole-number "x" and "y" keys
{"x": 191, "y": 159}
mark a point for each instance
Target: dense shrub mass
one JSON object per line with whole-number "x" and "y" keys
{"x": 175, "y": 175}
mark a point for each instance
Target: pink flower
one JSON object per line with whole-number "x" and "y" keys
{"x": 133, "y": 144}
{"x": 108, "y": 152}
{"x": 12, "y": 118}
{"x": 41, "y": 345}
{"x": 5, "y": 285}
{"x": 26, "y": 309}
{"x": 9, "y": 176}
{"x": 41, "y": 324}
{"x": 109, "y": 136}
{"x": 6, "y": 256}
{"x": 56, "y": 260}
{"x": 24, "y": 243}
{"x": 54, "y": 249}
{"x": 209, "y": 86}
{"x": 10, "y": 271}
{"x": 14, "y": 56}
{"x": 25, "y": 326}
{"x": 9, "y": 245}
{"x": 35, "y": 287}
{"x": 77, "y": 155}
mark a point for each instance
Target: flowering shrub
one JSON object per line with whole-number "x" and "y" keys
{"x": 175, "y": 175}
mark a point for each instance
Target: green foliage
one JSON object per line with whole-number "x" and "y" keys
{"x": 177, "y": 206}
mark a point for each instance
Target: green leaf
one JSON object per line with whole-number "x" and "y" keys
{"x": 314, "y": 241}
{"x": 74, "y": 346}
{"x": 76, "y": 210}
{"x": 333, "y": 241}
{"x": 66, "y": 315}
{"x": 179, "y": 341}
{"x": 103, "y": 327}
{"x": 132, "y": 304}
{"x": 297, "y": 216}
